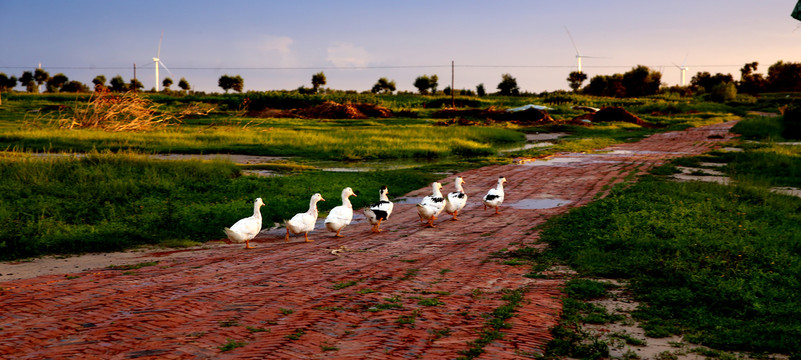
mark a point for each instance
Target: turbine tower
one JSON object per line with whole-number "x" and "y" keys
{"x": 157, "y": 62}
{"x": 578, "y": 53}
{"x": 683, "y": 69}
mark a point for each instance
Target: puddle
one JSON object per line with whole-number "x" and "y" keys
{"x": 536, "y": 204}
{"x": 542, "y": 144}
{"x": 535, "y": 141}
{"x": 544, "y": 136}
{"x": 787, "y": 191}
{"x": 559, "y": 161}
{"x": 408, "y": 200}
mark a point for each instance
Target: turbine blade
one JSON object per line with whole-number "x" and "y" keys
{"x": 158, "y": 53}
{"x": 685, "y": 60}
{"x": 674, "y": 64}
{"x": 165, "y": 67}
{"x": 573, "y": 42}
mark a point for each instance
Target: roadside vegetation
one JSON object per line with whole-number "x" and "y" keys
{"x": 717, "y": 264}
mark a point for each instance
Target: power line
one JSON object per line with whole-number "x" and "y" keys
{"x": 273, "y": 68}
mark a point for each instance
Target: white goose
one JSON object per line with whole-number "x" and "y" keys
{"x": 432, "y": 205}
{"x": 247, "y": 228}
{"x": 379, "y": 211}
{"x": 494, "y": 197}
{"x": 304, "y": 222}
{"x": 340, "y": 216}
{"x": 456, "y": 200}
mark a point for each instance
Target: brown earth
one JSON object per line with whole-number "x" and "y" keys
{"x": 298, "y": 300}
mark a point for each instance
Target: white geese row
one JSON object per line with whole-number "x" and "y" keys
{"x": 341, "y": 216}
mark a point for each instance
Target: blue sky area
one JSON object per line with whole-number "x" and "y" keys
{"x": 280, "y": 44}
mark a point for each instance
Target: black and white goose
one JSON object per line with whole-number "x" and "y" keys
{"x": 432, "y": 205}
{"x": 380, "y": 211}
{"x": 456, "y": 200}
{"x": 494, "y": 197}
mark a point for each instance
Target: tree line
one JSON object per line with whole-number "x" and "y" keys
{"x": 642, "y": 81}
{"x": 639, "y": 81}
{"x": 34, "y": 80}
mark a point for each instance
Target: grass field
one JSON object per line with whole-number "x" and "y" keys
{"x": 717, "y": 264}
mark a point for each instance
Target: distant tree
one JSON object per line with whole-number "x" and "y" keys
{"x": 704, "y": 81}
{"x": 575, "y": 78}
{"x": 422, "y": 83}
{"x": 26, "y": 80}
{"x": 480, "y": 91}
{"x": 227, "y": 82}
{"x": 426, "y": 84}
{"x": 383, "y": 86}
{"x": 167, "y": 82}
{"x": 434, "y": 83}
{"x": 318, "y": 80}
{"x": 55, "y": 83}
{"x": 239, "y": 84}
{"x": 99, "y": 81}
{"x": 118, "y": 84}
{"x": 7, "y": 83}
{"x": 183, "y": 84}
{"x": 508, "y": 85}
{"x": 74, "y": 87}
{"x": 784, "y": 77}
{"x": 135, "y": 85}
{"x": 467, "y": 92}
{"x": 641, "y": 81}
{"x": 751, "y": 83}
{"x": 447, "y": 90}
{"x": 40, "y": 76}
{"x": 606, "y": 85}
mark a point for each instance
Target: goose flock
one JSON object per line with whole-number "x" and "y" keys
{"x": 341, "y": 216}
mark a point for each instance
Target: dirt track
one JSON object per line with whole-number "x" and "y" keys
{"x": 288, "y": 300}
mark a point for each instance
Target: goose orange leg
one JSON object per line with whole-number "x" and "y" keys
{"x": 376, "y": 228}
{"x": 337, "y": 235}
{"x": 287, "y": 235}
{"x": 306, "y": 235}
{"x": 455, "y": 214}
{"x": 247, "y": 245}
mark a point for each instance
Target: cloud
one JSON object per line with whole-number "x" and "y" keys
{"x": 266, "y": 50}
{"x": 347, "y": 55}
{"x": 275, "y": 44}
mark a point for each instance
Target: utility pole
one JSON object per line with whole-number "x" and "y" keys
{"x": 453, "y": 90}
{"x": 133, "y": 84}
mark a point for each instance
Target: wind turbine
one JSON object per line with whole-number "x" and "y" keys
{"x": 158, "y": 62}
{"x": 683, "y": 69}
{"x": 578, "y": 53}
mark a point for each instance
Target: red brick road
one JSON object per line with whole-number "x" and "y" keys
{"x": 290, "y": 300}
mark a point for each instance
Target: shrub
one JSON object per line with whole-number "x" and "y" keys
{"x": 791, "y": 122}
{"x": 723, "y": 92}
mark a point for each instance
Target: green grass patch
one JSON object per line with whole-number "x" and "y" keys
{"x": 110, "y": 202}
{"x": 231, "y": 344}
{"x": 496, "y": 321}
{"x": 296, "y": 335}
{"x": 718, "y": 264}
{"x": 133, "y": 266}
{"x": 345, "y": 284}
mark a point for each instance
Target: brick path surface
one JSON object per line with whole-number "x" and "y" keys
{"x": 297, "y": 300}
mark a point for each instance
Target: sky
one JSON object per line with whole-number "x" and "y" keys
{"x": 275, "y": 45}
